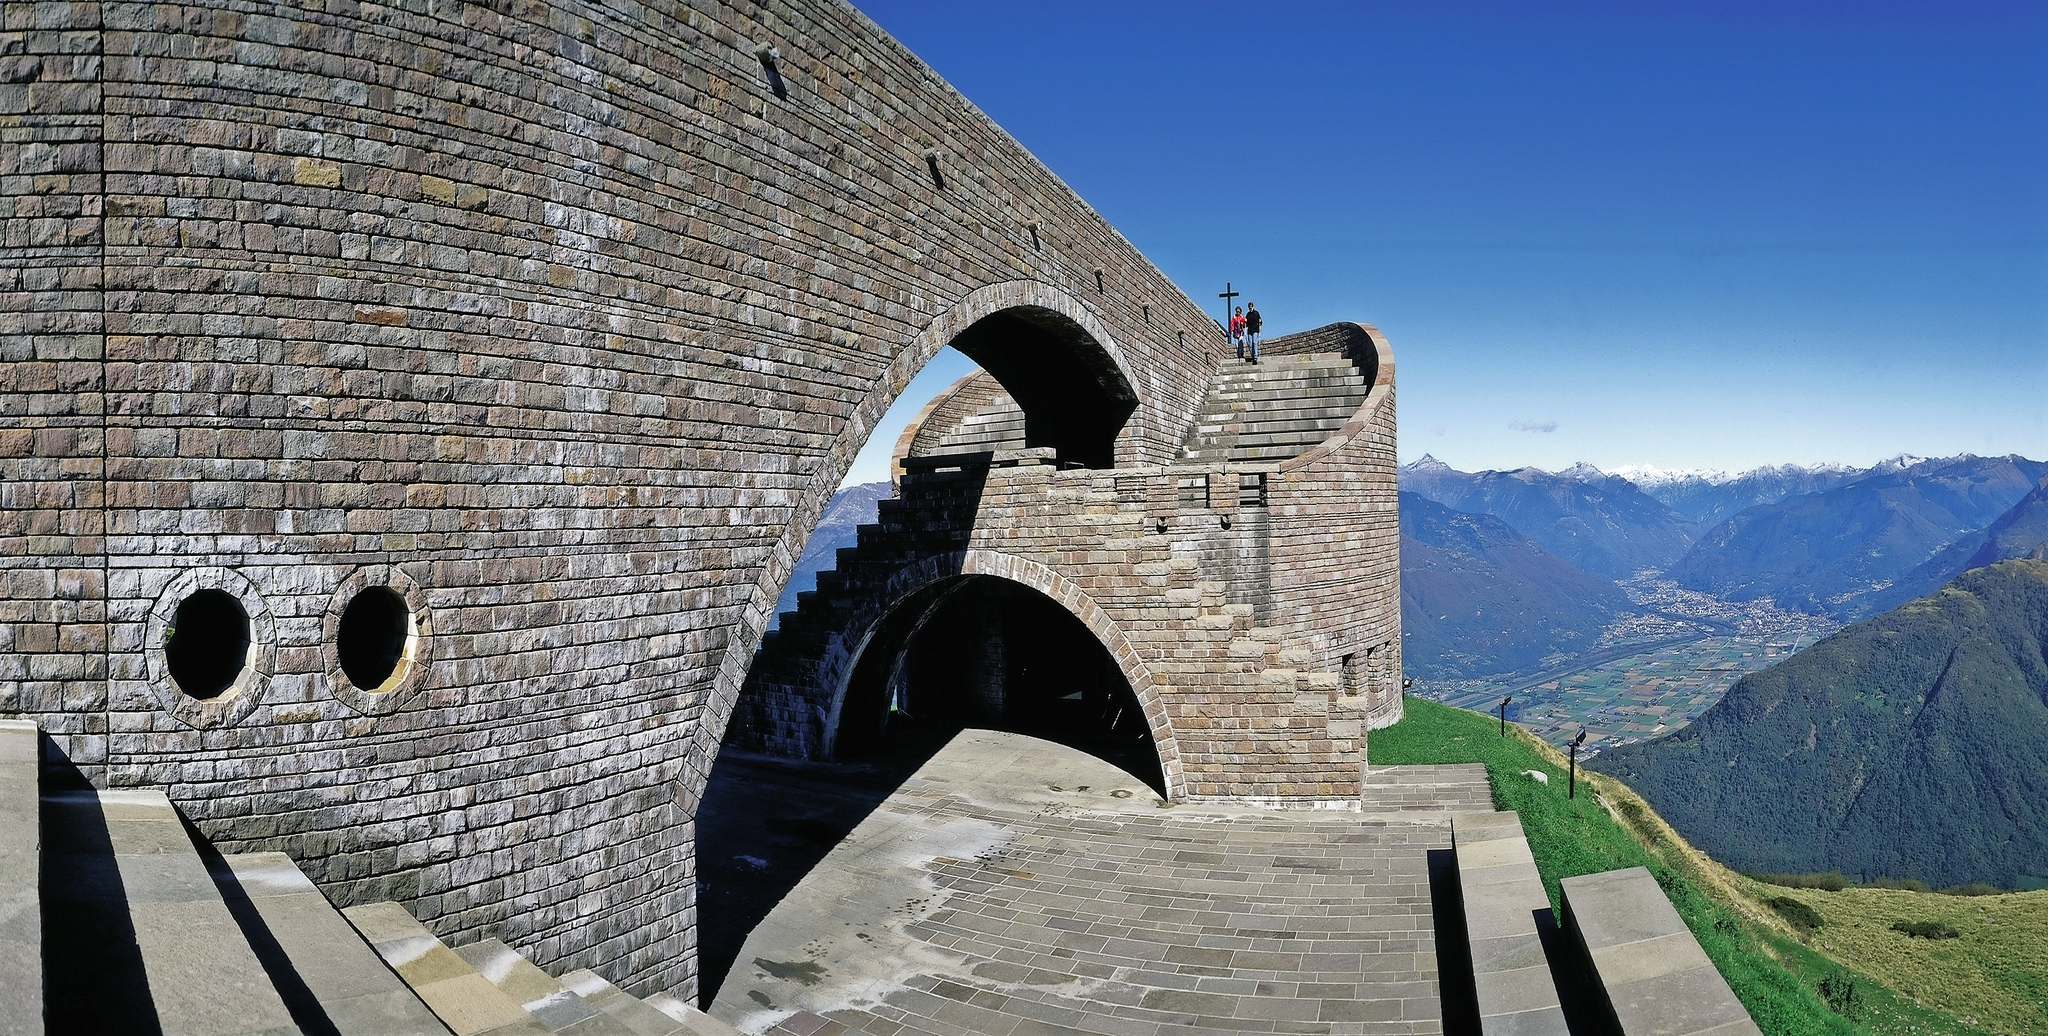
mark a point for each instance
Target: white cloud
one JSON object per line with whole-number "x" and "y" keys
{"x": 1534, "y": 426}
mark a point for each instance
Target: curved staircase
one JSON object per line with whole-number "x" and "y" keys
{"x": 1274, "y": 409}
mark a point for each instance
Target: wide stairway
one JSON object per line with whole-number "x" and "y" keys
{"x": 1020, "y": 887}
{"x": 997, "y": 426}
{"x": 116, "y": 918}
{"x": 1275, "y": 409}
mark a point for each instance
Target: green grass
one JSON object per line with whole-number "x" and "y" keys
{"x": 1978, "y": 957}
{"x": 1778, "y": 977}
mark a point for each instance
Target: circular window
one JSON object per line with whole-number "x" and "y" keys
{"x": 207, "y": 644}
{"x": 375, "y": 639}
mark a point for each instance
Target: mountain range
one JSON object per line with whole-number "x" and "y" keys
{"x": 1910, "y": 745}
{"x": 1834, "y": 552}
{"x": 2015, "y": 534}
{"x": 848, "y": 510}
{"x": 1480, "y": 599}
{"x": 1601, "y": 524}
{"x": 1707, "y": 499}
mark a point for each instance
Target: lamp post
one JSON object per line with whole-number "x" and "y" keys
{"x": 1572, "y": 789}
{"x": 1503, "y": 706}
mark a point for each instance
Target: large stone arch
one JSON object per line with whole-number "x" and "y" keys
{"x": 1030, "y": 574}
{"x": 694, "y": 769}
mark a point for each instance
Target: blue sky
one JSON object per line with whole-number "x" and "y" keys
{"x": 1680, "y": 234}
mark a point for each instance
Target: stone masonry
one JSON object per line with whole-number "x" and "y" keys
{"x": 561, "y": 320}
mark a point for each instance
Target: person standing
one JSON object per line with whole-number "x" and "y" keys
{"x": 1252, "y": 323}
{"x": 1237, "y": 331}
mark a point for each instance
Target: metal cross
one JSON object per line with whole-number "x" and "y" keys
{"x": 1226, "y": 295}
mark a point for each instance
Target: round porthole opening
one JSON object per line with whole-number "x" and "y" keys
{"x": 207, "y": 646}
{"x": 375, "y": 639}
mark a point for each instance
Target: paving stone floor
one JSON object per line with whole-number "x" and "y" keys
{"x": 1013, "y": 886}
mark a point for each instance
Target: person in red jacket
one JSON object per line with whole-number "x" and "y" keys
{"x": 1237, "y": 331}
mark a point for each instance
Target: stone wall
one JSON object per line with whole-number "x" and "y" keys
{"x": 1231, "y": 613}
{"x": 564, "y": 319}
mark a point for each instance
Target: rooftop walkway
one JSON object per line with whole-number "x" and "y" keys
{"x": 1013, "y": 886}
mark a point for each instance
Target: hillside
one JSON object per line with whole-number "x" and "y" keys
{"x": 2015, "y": 534}
{"x": 845, "y": 513}
{"x": 1479, "y": 598}
{"x": 1833, "y": 552}
{"x": 1783, "y": 974}
{"x": 1911, "y": 745}
{"x": 1601, "y": 524}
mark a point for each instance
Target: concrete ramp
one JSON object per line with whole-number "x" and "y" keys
{"x": 1017, "y": 886}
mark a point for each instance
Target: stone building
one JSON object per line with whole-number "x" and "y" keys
{"x": 411, "y": 412}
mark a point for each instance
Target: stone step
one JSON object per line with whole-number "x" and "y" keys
{"x": 1503, "y": 898}
{"x": 1422, "y": 791}
{"x": 1649, "y": 975}
{"x": 1352, "y": 391}
{"x": 465, "y": 1001}
{"x": 1318, "y": 409}
{"x": 21, "y": 916}
{"x": 636, "y": 1014}
{"x": 694, "y": 1022}
{"x": 328, "y": 972}
{"x": 137, "y": 936}
{"x": 547, "y": 1000}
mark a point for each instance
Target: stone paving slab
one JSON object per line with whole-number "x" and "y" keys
{"x": 462, "y": 998}
{"x": 339, "y": 974}
{"x": 21, "y": 915}
{"x": 1504, "y": 901}
{"x": 1653, "y": 976}
{"x": 1429, "y": 793}
{"x": 137, "y": 929}
{"x": 1014, "y": 886}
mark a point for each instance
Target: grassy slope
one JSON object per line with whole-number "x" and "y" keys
{"x": 1770, "y": 968}
{"x": 1993, "y": 974}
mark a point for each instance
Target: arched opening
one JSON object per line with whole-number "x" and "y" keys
{"x": 1074, "y": 398}
{"x": 978, "y": 651}
{"x": 781, "y": 792}
{"x": 963, "y": 650}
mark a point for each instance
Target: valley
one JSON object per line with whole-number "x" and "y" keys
{"x": 1507, "y": 577}
{"x": 1650, "y": 672}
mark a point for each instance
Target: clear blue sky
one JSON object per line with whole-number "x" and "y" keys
{"x": 1681, "y": 234}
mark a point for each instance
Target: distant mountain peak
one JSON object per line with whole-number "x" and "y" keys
{"x": 1426, "y": 463}
{"x": 1647, "y": 475}
{"x": 1583, "y": 472}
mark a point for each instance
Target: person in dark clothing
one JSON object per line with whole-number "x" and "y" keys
{"x": 1252, "y": 323}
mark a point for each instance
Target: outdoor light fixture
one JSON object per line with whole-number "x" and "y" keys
{"x": 1572, "y": 788}
{"x": 1504, "y": 714}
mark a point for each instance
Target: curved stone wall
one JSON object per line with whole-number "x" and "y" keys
{"x": 562, "y": 318}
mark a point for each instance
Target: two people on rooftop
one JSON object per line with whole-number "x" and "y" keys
{"x": 1244, "y": 330}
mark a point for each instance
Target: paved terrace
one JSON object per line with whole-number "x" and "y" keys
{"x": 1013, "y": 886}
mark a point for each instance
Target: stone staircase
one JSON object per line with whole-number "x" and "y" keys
{"x": 933, "y": 515}
{"x": 1274, "y": 409}
{"x": 997, "y": 426}
{"x": 116, "y": 917}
